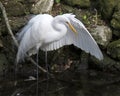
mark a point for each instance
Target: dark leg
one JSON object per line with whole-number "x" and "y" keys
{"x": 47, "y": 83}
{"x": 37, "y": 73}
{"x": 46, "y": 62}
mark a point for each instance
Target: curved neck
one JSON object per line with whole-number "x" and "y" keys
{"x": 59, "y": 26}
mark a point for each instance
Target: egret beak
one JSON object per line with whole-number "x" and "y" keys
{"x": 71, "y": 27}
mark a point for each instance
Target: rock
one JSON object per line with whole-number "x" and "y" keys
{"x": 105, "y": 7}
{"x": 3, "y": 61}
{"x": 32, "y": 1}
{"x": 116, "y": 33}
{"x": 1, "y": 44}
{"x": 115, "y": 22}
{"x": 107, "y": 64}
{"x": 110, "y": 10}
{"x": 113, "y": 49}
{"x": 67, "y": 9}
{"x": 42, "y": 6}
{"x": 14, "y": 8}
{"x": 80, "y": 3}
{"x": 102, "y": 34}
{"x": 18, "y": 22}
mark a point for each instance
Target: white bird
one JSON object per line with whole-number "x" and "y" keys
{"x": 48, "y": 33}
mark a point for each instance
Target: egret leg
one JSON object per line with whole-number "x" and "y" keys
{"x": 16, "y": 70}
{"x": 37, "y": 72}
{"x": 46, "y": 62}
{"x": 47, "y": 65}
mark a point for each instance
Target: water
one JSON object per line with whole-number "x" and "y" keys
{"x": 67, "y": 83}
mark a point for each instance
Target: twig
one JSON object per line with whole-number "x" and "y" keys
{"x": 13, "y": 37}
{"x": 42, "y": 69}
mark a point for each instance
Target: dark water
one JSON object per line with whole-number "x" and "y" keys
{"x": 84, "y": 83}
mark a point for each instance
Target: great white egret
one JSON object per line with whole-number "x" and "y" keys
{"x": 50, "y": 33}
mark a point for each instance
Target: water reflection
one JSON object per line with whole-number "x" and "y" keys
{"x": 84, "y": 83}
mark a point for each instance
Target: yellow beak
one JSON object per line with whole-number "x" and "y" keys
{"x": 71, "y": 27}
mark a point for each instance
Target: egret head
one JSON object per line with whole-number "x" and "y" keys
{"x": 62, "y": 19}
{"x": 67, "y": 21}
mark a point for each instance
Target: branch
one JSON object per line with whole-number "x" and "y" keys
{"x": 7, "y": 24}
{"x": 13, "y": 37}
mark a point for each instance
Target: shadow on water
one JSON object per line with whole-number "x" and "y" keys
{"x": 84, "y": 83}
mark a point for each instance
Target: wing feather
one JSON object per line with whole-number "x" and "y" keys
{"x": 88, "y": 44}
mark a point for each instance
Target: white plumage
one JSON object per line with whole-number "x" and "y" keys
{"x": 50, "y": 33}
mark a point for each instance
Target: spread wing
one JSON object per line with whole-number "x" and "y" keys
{"x": 82, "y": 39}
